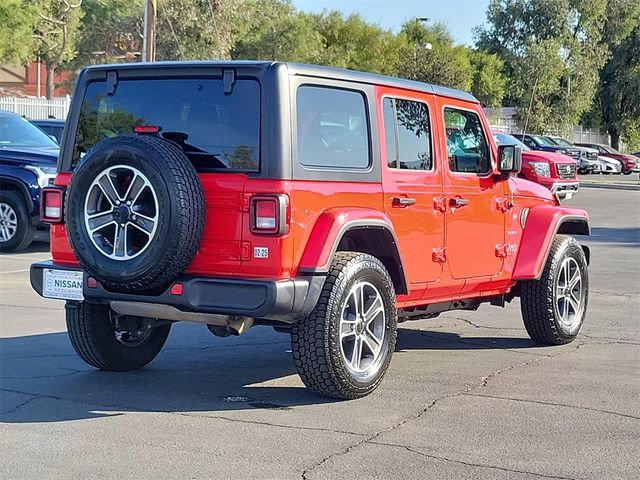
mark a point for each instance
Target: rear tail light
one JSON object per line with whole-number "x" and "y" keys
{"x": 270, "y": 214}
{"x": 51, "y": 204}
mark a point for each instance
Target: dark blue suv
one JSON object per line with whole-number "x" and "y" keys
{"x": 27, "y": 163}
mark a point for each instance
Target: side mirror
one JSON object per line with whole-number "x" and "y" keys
{"x": 509, "y": 159}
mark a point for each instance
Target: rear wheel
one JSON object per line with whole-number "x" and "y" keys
{"x": 109, "y": 342}
{"x": 344, "y": 347}
{"x": 16, "y": 229}
{"x": 553, "y": 307}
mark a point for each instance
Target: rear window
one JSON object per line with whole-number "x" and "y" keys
{"x": 217, "y": 131}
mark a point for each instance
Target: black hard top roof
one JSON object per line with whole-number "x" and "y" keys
{"x": 306, "y": 70}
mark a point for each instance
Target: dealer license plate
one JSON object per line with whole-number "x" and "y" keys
{"x": 64, "y": 284}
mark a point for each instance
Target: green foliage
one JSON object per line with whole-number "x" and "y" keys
{"x": 430, "y": 55}
{"x": 620, "y": 88}
{"x": 272, "y": 30}
{"x": 553, "y": 51}
{"x": 489, "y": 80}
{"x": 197, "y": 29}
{"x": 17, "y": 19}
{"x": 110, "y": 31}
{"x": 56, "y": 30}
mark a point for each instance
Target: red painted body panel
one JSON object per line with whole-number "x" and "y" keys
{"x": 419, "y": 228}
{"x": 542, "y": 223}
{"x": 448, "y": 252}
{"x": 473, "y": 230}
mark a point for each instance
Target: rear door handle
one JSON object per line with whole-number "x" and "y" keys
{"x": 459, "y": 202}
{"x": 402, "y": 201}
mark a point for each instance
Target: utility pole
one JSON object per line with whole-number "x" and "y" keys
{"x": 149, "y": 36}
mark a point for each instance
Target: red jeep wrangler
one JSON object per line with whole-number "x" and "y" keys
{"x": 330, "y": 203}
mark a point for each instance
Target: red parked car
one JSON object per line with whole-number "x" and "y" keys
{"x": 629, "y": 162}
{"x": 329, "y": 203}
{"x": 556, "y": 171}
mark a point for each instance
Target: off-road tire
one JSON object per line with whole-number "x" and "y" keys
{"x": 315, "y": 338}
{"x": 25, "y": 228}
{"x": 538, "y": 301}
{"x": 181, "y": 213}
{"x": 93, "y": 338}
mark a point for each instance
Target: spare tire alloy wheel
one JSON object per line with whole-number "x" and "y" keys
{"x": 121, "y": 212}
{"x": 135, "y": 213}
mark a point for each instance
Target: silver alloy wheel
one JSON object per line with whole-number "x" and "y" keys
{"x": 569, "y": 293}
{"x": 362, "y": 329}
{"x": 8, "y": 222}
{"x": 121, "y": 212}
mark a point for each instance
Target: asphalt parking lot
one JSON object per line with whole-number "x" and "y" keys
{"x": 468, "y": 395}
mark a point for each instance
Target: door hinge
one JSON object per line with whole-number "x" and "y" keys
{"x": 439, "y": 254}
{"x": 504, "y": 204}
{"x": 440, "y": 204}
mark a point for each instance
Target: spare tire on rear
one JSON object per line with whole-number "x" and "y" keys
{"x": 135, "y": 213}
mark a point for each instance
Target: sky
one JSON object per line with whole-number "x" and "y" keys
{"x": 460, "y": 16}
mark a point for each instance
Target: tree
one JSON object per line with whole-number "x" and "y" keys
{"x": 17, "y": 19}
{"x": 618, "y": 104}
{"x": 564, "y": 36}
{"x": 489, "y": 81}
{"x": 351, "y": 42}
{"x": 273, "y": 30}
{"x": 197, "y": 29}
{"x": 110, "y": 31}
{"x": 56, "y": 32}
{"x": 444, "y": 63}
{"x": 620, "y": 88}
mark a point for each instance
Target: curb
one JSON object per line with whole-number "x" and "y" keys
{"x": 611, "y": 186}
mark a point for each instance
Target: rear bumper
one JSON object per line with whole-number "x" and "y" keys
{"x": 282, "y": 300}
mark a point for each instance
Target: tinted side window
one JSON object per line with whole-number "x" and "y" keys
{"x": 215, "y": 130}
{"x": 332, "y": 128}
{"x": 407, "y": 134}
{"x": 467, "y": 146}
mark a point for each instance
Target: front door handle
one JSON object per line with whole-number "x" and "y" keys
{"x": 459, "y": 202}
{"x": 402, "y": 201}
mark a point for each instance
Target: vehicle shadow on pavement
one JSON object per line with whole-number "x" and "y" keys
{"x": 42, "y": 379}
{"x": 623, "y": 235}
{"x": 409, "y": 339}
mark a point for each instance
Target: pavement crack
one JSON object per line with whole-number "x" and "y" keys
{"x": 471, "y": 464}
{"x": 484, "y": 381}
{"x": 269, "y": 424}
{"x": 465, "y": 341}
{"x": 56, "y": 375}
{"x": 554, "y": 404}
{"x": 18, "y": 407}
{"x": 476, "y": 325}
{"x": 610, "y": 340}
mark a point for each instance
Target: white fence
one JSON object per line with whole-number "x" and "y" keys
{"x": 37, "y": 108}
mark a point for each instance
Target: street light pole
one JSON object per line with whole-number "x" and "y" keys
{"x": 149, "y": 36}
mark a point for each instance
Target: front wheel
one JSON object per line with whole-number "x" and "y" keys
{"x": 344, "y": 347}
{"x": 553, "y": 307}
{"x": 109, "y": 342}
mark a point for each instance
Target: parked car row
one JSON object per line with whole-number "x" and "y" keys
{"x": 591, "y": 157}
{"x": 554, "y": 170}
{"x": 28, "y": 159}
